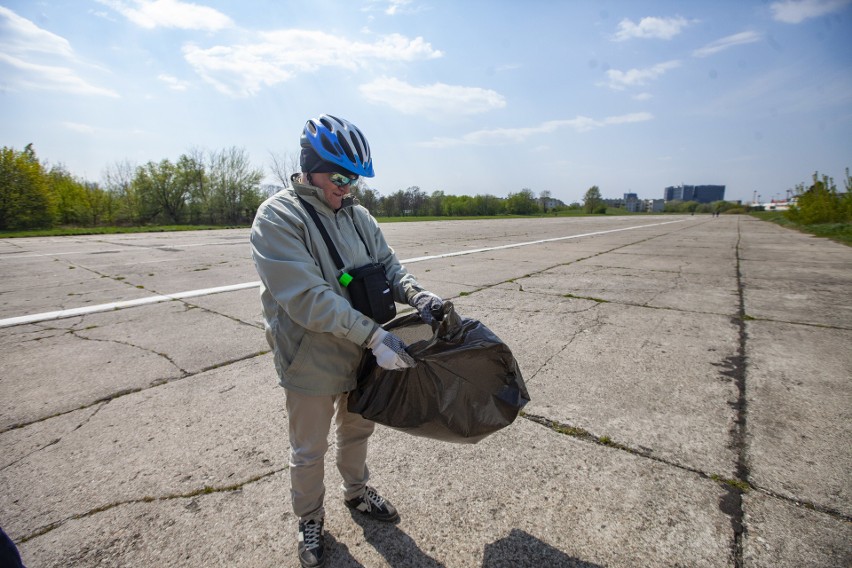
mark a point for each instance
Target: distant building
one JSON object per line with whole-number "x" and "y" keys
{"x": 699, "y": 193}
{"x": 655, "y": 205}
{"x": 632, "y": 203}
{"x": 614, "y": 203}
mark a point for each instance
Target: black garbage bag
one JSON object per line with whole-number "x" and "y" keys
{"x": 465, "y": 386}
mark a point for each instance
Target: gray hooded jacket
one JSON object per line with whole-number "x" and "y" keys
{"x": 317, "y": 337}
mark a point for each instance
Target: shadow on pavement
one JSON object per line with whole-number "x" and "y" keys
{"x": 397, "y": 548}
{"x": 517, "y": 550}
{"x": 521, "y": 549}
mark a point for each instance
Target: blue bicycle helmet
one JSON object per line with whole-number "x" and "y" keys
{"x": 340, "y": 142}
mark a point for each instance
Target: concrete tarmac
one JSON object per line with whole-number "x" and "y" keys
{"x": 689, "y": 375}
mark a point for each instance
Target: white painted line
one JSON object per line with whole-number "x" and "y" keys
{"x": 47, "y": 316}
{"x": 516, "y": 245}
{"x": 130, "y": 248}
{"x": 61, "y": 314}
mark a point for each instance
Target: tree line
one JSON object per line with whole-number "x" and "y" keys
{"x": 416, "y": 202}
{"x": 223, "y": 188}
{"x": 201, "y": 187}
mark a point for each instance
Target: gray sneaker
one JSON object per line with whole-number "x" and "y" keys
{"x": 311, "y": 544}
{"x": 374, "y": 505}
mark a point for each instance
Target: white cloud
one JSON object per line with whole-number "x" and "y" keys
{"x": 78, "y": 127}
{"x": 642, "y": 97}
{"x": 29, "y": 76}
{"x": 619, "y": 80}
{"x": 170, "y": 14}
{"x": 507, "y": 67}
{"x": 498, "y": 136}
{"x": 174, "y": 83}
{"x": 32, "y": 58}
{"x": 797, "y": 11}
{"x": 21, "y": 36}
{"x": 726, "y": 42}
{"x": 395, "y": 5}
{"x": 426, "y": 99}
{"x": 389, "y": 7}
{"x": 658, "y": 28}
{"x": 242, "y": 70}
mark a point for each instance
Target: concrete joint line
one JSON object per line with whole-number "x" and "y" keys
{"x": 124, "y": 392}
{"x": 726, "y": 483}
{"x": 733, "y": 504}
{"x": 586, "y": 436}
{"x": 206, "y": 490}
{"x": 747, "y": 317}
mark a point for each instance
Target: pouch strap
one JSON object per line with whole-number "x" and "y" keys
{"x": 335, "y": 256}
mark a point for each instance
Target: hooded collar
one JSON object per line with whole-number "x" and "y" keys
{"x": 316, "y": 196}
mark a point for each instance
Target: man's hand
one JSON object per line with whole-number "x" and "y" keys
{"x": 389, "y": 351}
{"x": 427, "y": 305}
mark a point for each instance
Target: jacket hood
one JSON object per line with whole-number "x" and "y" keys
{"x": 316, "y": 197}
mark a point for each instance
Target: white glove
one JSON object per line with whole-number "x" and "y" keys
{"x": 427, "y": 304}
{"x": 389, "y": 351}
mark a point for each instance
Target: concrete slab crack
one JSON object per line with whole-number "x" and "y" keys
{"x": 206, "y": 490}
{"x": 76, "y": 333}
{"x": 57, "y": 440}
{"x": 35, "y": 451}
{"x": 580, "y": 330}
{"x": 92, "y": 415}
{"x": 732, "y": 503}
{"x": 125, "y": 392}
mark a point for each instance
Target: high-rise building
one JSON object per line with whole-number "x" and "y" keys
{"x": 632, "y": 203}
{"x": 699, "y": 193}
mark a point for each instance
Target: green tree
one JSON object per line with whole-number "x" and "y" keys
{"x": 415, "y": 201}
{"x": 367, "y": 196}
{"x": 98, "y": 205}
{"x": 522, "y": 203}
{"x": 25, "y": 200}
{"x": 69, "y": 196}
{"x": 163, "y": 196}
{"x": 436, "y": 203}
{"x": 393, "y": 205}
{"x": 118, "y": 183}
{"x": 459, "y": 206}
{"x": 192, "y": 174}
{"x": 820, "y": 203}
{"x": 235, "y": 185}
{"x": 488, "y": 205}
{"x": 544, "y": 198}
{"x": 592, "y": 200}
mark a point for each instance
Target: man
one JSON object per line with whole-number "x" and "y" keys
{"x": 317, "y": 337}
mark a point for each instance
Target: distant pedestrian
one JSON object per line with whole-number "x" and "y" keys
{"x": 316, "y": 335}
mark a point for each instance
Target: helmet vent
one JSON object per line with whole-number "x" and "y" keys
{"x": 329, "y": 145}
{"x": 346, "y": 148}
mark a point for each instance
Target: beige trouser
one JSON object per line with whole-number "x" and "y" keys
{"x": 310, "y": 421}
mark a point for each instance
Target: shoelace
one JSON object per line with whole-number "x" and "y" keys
{"x": 311, "y": 534}
{"x": 373, "y": 499}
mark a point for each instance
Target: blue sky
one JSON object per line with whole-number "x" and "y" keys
{"x": 469, "y": 97}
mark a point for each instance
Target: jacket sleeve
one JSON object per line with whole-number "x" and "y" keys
{"x": 283, "y": 259}
{"x": 404, "y": 285}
